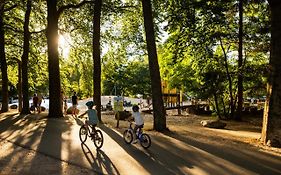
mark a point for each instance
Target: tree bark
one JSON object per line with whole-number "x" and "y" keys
{"x": 20, "y": 84}
{"x": 157, "y": 99}
{"x": 238, "y": 115}
{"x": 217, "y": 105}
{"x": 25, "y": 85}
{"x": 229, "y": 81}
{"x": 4, "y": 92}
{"x": 271, "y": 130}
{"x": 96, "y": 56}
{"x": 55, "y": 104}
{"x": 55, "y": 95}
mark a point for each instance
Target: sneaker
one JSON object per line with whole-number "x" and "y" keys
{"x": 135, "y": 141}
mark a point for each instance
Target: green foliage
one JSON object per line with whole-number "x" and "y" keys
{"x": 14, "y": 44}
{"x": 124, "y": 77}
{"x": 200, "y": 54}
{"x": 191, "y": 59}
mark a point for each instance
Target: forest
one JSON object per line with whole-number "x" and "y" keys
{"x": 221, "y": 51}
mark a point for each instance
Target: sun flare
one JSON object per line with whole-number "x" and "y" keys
{"x": 64, "y": 45}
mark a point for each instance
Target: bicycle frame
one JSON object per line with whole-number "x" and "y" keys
{"x": 138, "y": 131}
{"x": 144, "y": 138}
{"x": 95, "y": 135}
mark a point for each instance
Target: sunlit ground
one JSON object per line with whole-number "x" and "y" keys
{"x": 187, "y": 149}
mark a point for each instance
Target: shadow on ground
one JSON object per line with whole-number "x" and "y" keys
{"x": 100, "y": 161}
{"x": 170, "y": 153}
{"x": 244, "y": 156}
{"x": 152, "y": 163}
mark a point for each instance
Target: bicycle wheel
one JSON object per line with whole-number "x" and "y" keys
{"x": 83, "y": 133}
{"x": 128, "y": 136}
{"x": 98, "y": 139}
{"x": 145, "y": 141}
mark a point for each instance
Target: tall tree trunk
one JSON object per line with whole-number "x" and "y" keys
{"x": 271, "y": 130}
{"x": 20, "y": 84}
{"x": 24, "y": 58}
{"x": 238, "y": 115}
{"x": 229, "y": 81}
{"x": 217, "y": 105}
{"x": 96, "y": 56}
{"x": 157, "y": 99}
{"x": 55, "y": 104}
{"x": 223, "y": 107}
{"x": 3, "y": 62}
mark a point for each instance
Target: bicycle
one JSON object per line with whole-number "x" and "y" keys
{"x": 96, "y": 137}
{"x": 144, "y": 138}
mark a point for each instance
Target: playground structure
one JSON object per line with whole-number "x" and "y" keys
{"x": 173, "y": 99}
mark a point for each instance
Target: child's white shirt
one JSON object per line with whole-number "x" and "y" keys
{"x": 138, "y": 118}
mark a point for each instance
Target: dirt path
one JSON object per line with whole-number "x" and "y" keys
{"x": 36, "y": 145}
{"x": 16, "y": 160}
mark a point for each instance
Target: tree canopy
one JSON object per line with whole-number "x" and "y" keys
{"x": 198, "y": 44}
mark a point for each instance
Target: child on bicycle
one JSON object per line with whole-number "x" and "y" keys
{"x": 138, "y": 120}
{"x": 92, "y": 116}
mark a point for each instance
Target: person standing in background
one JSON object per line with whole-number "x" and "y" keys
{"x": 61, "y": 99}
{"x": 40, "y": 98}
{"x": 65, "y": 106}
{"x": 74, "y": 99}
{"x": 35, "y": 102}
